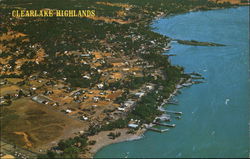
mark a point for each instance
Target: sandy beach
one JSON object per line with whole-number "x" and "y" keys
{"x": 102, "y": 139}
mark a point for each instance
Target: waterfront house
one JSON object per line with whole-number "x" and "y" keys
{"x": 133, "y": 125}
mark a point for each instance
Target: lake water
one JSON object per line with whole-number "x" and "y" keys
{"x": 215, "y": 114}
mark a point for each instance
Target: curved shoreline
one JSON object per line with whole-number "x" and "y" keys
{"x": 126, "y": 137}
{"x": 102, "y": 139}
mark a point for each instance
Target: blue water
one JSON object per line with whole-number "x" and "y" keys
{"x": 210, "y": 126}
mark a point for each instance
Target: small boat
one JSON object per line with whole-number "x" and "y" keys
{"x": 178, "y": 117}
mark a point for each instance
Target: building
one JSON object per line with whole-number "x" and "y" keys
{"x": 139, "y": 94}
{"x": 133, "y": 126}
{"x": 129, "y": 103}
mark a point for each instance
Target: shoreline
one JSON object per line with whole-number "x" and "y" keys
{"x": 139, "y": 133}
{"x": 175, "y": 92}
{"x": 93, "y": 149}
{"x": 104, "y": 141}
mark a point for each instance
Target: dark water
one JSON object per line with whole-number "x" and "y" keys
{"x": 215, "y": 119}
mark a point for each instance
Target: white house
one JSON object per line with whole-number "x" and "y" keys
{"x": 133, "y": 125}
{"x": 129, "y": 103}
{"x": 100, "y": 85}
{"x": 68, "y": 111}
{"x": 121, "y": 109}
{"x": 139, "y": 94}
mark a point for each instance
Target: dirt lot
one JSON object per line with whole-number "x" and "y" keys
{"x": 9, "y": 90}
{"x": 34, "y": 126}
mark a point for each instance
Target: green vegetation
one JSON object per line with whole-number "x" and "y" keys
{"x": 197, "y": 43}
{"x": 69, "y": 148}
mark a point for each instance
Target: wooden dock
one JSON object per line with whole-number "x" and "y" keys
{"x": 165, "y": 124}
{"x": 158, "y": 130}
{"x": 172, "y": 102}
{"x": 174, "y": 112}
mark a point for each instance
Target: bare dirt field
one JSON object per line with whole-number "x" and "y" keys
{"x": 32, "y": 125}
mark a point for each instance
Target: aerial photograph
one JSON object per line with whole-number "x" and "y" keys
{"x": 124, "y": 79}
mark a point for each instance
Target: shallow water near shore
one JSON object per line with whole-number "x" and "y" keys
{"x": 215, "y": 113}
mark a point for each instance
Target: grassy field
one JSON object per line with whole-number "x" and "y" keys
{"x": 32, "y": 125}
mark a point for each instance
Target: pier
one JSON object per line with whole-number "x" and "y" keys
{"x": 165, "y": 124}
{"x": 173, "y": 102}
{"x": 197, "y": 82}
{"x": 169, "y": 111}
{"x": 157, "y": 130}
{"x": 164, "y": 117}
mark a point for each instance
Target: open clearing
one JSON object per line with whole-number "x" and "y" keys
{"x": 32, "y": 125}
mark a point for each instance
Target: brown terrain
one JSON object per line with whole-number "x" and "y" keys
{"x": 34, "y": 125}
{"x": 241, "y": 2}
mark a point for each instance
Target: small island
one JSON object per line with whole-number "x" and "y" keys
{"x": 198, "y": 43}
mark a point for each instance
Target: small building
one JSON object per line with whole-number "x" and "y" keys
{"x": 86, "y": 77}
{"x": 133, "y": 126}
{"x": 85, "y": 55}
{"x": 149, "y": 87}
{"x": 68, "y": 111}
{"x": 139, "y": 94}
{"x": 129, "y": 103}
{"x": 121, "y": 109}
{"x": 84, "y": 118}
{"x": 100, "y": 85}
{"x": 41, "y": 99}
{"x": 96, "y": 99}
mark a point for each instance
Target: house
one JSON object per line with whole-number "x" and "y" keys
{"x": 96, "y": 99}
{"x": 133, "y": 126}
{"x": 68, "y": 111}
{"x": 121, "y": 109}
{"x": 85, "y": 55}
{"x": 86, "y": 77}
{"x": 149, "y": 87}
{"x": 100, "y": 86}
{"x": 40, "y": 99}
{"x": 139, "y": 94}
{"x": 129, "y": 103}
{"x": 84, "y": 118}
{"x": 55, "y": 104}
